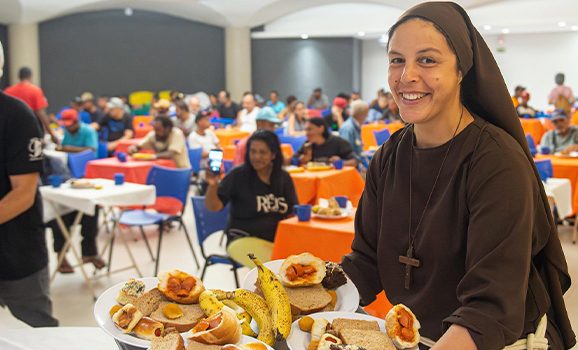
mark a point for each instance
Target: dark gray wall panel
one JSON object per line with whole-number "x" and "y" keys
{"x": 109, "y": 53}
{"x": 296, "y": 66}
{"x": 4, "y": 40}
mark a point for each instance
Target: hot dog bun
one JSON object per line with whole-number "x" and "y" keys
{"x": 148, "y": 329}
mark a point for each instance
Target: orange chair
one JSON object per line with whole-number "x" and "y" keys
{"x": 139, "y": 122}
{"x": 574, "y": 120}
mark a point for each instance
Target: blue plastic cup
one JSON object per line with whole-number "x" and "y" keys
{"x": 55, "y": 180}
{"x": 545, "y": 150}
{"x": 303, "y": 212}
{"x": 342, "y": 201}
{"x": 118, "y": 179}
{"x": 338, "y": 164}
{"x": 121, "y": 156}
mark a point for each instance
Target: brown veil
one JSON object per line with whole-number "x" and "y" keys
{"x": 485, "y": 94}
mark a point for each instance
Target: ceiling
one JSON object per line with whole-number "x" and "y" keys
{"x": 291, "y": 18}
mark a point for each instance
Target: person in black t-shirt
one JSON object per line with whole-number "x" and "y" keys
{"x": 88, "y": 105}
{"x": 323, "y": 147}
{"x": 24, "y": 284}
{"x": 116, "y": 125}
{"x": 227, "y": 108}
{"x": 260, "y": 192}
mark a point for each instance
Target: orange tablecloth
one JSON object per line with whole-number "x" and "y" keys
{"x": 141, "y": 132}
{"x": 229, "y": 151}
{"x": 294, "y": 237}
{"x": 227, "y": 137}
{"x": 133, "y": 170}
{"x": 367, "y": 132}
{"x": 533, "y": 127}
{"x": 312, "y": 185}
{"x": 124, "y": 145}
{"x": 566, "y": 168}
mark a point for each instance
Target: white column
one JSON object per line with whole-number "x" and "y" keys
{"x": 238, "y": 61}
{"x": 24, "y": 50}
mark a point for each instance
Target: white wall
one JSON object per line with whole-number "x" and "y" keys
{"x": 530, "y": 60}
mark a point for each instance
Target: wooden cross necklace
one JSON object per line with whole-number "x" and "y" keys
{"x": 409, "y": 259}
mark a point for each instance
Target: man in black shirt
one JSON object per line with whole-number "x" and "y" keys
{"x": 88, "y": 105}
{"x": 115, "y": 126}
{"x": 227, "y": 108}
{"x": 24, "y": 284}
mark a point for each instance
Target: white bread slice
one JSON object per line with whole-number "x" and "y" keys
{"x": 344, "y": 323}
{"x": 192, "y": 314}
{"x": 367, "y": 339}
{"x": 193, "y": 345}
{"x": 170, "y": 341}
{"x": 149, "y": 301}
{"x": 307, "y": 300}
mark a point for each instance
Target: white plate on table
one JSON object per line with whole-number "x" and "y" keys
{"x": 244, "y": 340}
{"x": 344, "y": 214}
{"x": 104, "y": 321}
{"x": 347, "y": 295}
{"x": 299, "y": 340}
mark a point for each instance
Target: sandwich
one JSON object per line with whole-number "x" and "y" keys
{"x": 368, "y": 339}
{"x": 180, "y": 287}
{"x": 327, "y": 340}
{"x": 131, "y": 290}
{"x": 181, "y": 317}
{"x": 219, "y": 329}
{"x": 126, "y": 318}
{"x": 339, "y": 324}
{"x": 148, "y": 329}
{"x": 172, "y": 340}
{"x": 149, "y": 301}
{"x": 402, "y": 327}
{"x": 302, "y": 270}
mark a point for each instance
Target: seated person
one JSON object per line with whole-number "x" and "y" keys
{"x": 166, "y": 141}
{"x": 517, "y": 94}
{"x": 318, "y": 100}
{"x": 88, "y": 105}
{"x": 284, "y": 114}
{"x": 351, "y": 129}
{"x": 78, "y": 137}
{"x": 266, "y": 120}
{"x": 260, "y": 192}
{"x": 274, "y": 102}
{"x": 185, "y": 120}
{"x": 227, "y": 108}
{"x": 246, "y": 117}
{"x": 203, "y": 137}
{"x": 323, "y": 147}
{"x": 391, "y": 111}
{"x": 297, "y": 117}
{"x": 335, "y": 117}
{"x": 564, "y": 138}
{"x": 115, "y": 126}
{"x": 523, "y": 109}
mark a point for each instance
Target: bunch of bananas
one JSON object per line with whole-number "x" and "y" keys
{"x": 272, "y": 313}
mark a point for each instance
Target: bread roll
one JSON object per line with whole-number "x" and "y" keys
{"x": 147, "y": 328}
{"x": 220, "y": 329}
{"x": 180, "y": 287}
{"x": 131, "y": 290}
{"x": 402, "y": 327}
{"x": 127, "y": 318}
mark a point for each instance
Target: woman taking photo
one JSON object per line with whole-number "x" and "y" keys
{"x": 260, "y": 192}
{"x": 297, "y": 119}
{"x": 436, "y": 227}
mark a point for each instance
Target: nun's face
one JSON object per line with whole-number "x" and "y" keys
{"x": 423, "y": 75}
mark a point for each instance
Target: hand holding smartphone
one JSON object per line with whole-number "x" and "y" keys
{"x": 215, "y": 161}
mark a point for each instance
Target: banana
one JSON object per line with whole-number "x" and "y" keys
{"x": 277, "y": 299}
{"x": 209, "y": 303}
{"x": 257, "y": 308}
{"x": 243, "y": 316}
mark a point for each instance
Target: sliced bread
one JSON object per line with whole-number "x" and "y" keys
{"x": 193, "y": 345}
{"x": 368, "y": 339}
{"x": 192, "y": 314}
{"x": 344, "y": 323}
{"x": 149, "y": 301}
{"x": 307, "y": 300}
{"x": 170, "y": 341}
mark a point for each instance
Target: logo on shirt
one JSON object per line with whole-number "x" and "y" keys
{"x": 271, "y": 204}
{"x": 35, "y": 149}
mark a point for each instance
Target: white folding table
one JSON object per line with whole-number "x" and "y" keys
{"x": 63, "y": 200}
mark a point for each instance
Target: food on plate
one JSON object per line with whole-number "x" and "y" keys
{"x": 171, "y": 340}
{"x": 307, "y": 300}
{"x": 193, "y": 345}
{"x": 219, "y": 329}
{"x": 148, "y": 329}
{"x": 129, "y": 293}
{"x": 333, "y": 301}
{"x": 402, "y": 327}
{"x": 327, "y": 340}
{"x": 172, "y": 311}
{"x": 114, "y": 309}
{"x": 276, "y": 298}
{"x": 329, "y": 211}
{"x": 149, "y": 301}
{"x": 368, "y": 339}
{"x": 243, "y": 316}
{"x": 211, "y": 305}
{"x": 305, "y": 323}
{"x": 248, "y": 346}
{"x": 317, "y": 166}
{"x": 126, "y": 318}
{"x": 345, "y": 347}
{"x": 334, "y": 276}
{"x": 180, "y": 287}
{"x": 191, "y": 315}
{"x": 302, "y": 270}
{"x": 317, "y": 330}
{"x": 144, "y": 156}
{"x": 82, "y": 184}
{"x": 339, "y": 324}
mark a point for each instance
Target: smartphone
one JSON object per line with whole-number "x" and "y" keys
{"x": 215, "y": 161}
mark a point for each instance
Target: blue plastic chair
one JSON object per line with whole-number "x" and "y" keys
{"x": 169, "y": 183}
{"x": 77, "y": 162}
{"x": 207, "y": 224}
{"x": 545, "y": 168}
{"x": 381, "y": 136}
{"x": 195, "y": 156}
{"x": 280, "y": 131}
{"x": 102, "y": 151}
{"x": 295, "y": 141}
{"x": 531, "y": 144}
{"x": 227, "y": 166}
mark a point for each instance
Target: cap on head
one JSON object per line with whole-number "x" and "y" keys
{"x": 68, "y": 117}
{"x": 86, "y": 96}
{"x": 115, "y": 102}
{"x": 162, "y": 104}
{"x": 340, "y": 102}
{"x": 268, "y": 114}
{"x": 558, "y": 114}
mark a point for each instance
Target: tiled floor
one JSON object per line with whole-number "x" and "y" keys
{"x": 73, "y": 304}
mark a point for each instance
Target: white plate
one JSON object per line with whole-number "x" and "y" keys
{"x": 299, "y": 340}
{"x": 347, "y": 295}
{"x": 344, "y": 214}
{"x": 244, "y": 340}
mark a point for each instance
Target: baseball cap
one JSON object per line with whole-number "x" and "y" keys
{"x": 115, "y": 102}
{"x": 558, "y": 114}
{"x": 340, "y": 102}
{"x": 162, "y": 104}
{"x": 68, "y": 117}
{"x": 86, "y": 96}
{"x": 268, "y": 114}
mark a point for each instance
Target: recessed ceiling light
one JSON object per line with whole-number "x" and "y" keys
{"x": 128, "y": 11}
{"x": 361, "y": 33}
{"x": 505, "y": 31}
{"x": 304, "y": 36}
{"x": 561, "y": 24}
{"x": 487, "y": 27}
{"x": 574, "y": 28}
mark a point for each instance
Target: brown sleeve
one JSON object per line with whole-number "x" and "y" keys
{"x": 361, "y": 264}
{"x": 502, "y": 195}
